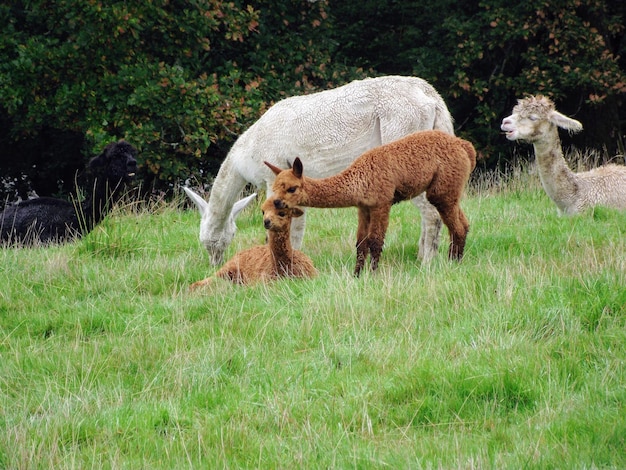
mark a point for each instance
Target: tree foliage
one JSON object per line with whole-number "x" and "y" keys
{"x": 511, "y": 50}
{"x": 182, "y": 79}
{"x": 144, "y": 71}
{"x": 483, "y": 55}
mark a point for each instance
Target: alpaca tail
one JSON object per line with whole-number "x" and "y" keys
{"x": 470, "y": 150}
{"x": 443, "y": 119}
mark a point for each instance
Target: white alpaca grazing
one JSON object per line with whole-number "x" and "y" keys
{"x": 536, "y": 120}
{"x": 327, "y": 130}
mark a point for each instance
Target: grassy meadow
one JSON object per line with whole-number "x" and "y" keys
{"x": 514, "y": 358}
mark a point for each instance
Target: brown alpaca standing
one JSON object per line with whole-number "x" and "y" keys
{"x": 271, "y": 261}
{"x": 430, "y": 161}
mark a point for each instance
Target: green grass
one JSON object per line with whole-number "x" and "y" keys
{"x": 514, "y": 358}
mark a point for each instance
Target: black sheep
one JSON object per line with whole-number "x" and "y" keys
{"x": 46, "y": 220}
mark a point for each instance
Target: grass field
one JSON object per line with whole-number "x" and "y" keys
{"x": 514, "y": 358}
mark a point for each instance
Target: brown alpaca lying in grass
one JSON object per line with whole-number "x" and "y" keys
{"x": 430, "y": 161}
{"x": 271, "y": 261}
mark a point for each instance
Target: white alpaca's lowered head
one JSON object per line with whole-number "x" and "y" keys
{"x": 216, "y": 242}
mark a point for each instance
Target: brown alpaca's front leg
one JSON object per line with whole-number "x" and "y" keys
{"x": 361, "y": 254}
{"x": 376, "y": 248}
{"x": 379, "y": 221}
{"x": 362, "y": 244}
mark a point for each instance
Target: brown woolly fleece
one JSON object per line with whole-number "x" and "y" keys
{"x": 429, "y": 161}
{"x": 271, "y": 261}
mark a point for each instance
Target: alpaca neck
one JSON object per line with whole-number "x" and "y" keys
{"x": 556, "y": 177}
{"x": 98, "y": 203}
{"x": 282, "y": 253}
{"x": 334, "y": 191}
{"x": 224, "y": 193}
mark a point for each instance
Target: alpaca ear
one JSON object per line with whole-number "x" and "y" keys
{"x": 200, "y": 203}
{"x": 297, "y": 212}
{"x": 275, "y": 169}
{"x": 297, "y": 167}
{"x": 565, "y": 122}
{"x": 241, "y": 205}
{"x": 97, "y": 163}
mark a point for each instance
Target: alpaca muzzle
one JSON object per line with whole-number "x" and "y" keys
{"x": 131, "y": 168}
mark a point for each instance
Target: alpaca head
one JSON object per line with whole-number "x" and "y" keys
{"x": 216, "y": 239}
{"x": 116, "y": 165}
{"x": 535, "y": 117}
{"x": 277, "y": 219}
{"x": 287, "y": 186}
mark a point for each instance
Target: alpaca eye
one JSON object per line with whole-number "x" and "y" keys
{"x": 282, "y": 214}
{"x": 292, "y": 190}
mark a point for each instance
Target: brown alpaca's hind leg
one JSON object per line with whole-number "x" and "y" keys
{"x": 458, "y": 226}
{"x": 198, "y": 284}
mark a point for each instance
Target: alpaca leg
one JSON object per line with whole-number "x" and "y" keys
{"x": 458, "y": 226}
{"x": 199, "y": 284}
{"x": 431, "y": 228}
{"x": 362, "y": 245}
{"x": 229, "y": 272}
{"x": 454, "y": 218}
{"x": 379, "y": 221}
{"x": 465, "y": 229}
{"x": 297, "y": 231}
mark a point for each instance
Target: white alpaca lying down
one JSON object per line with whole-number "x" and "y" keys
{"x": 535, "y": 120}
{"x": 327, "y": 130}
